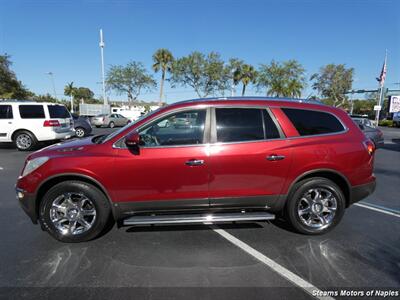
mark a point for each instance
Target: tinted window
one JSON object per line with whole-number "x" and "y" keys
{"x": 58, "y": 112}
{"x": 309, "y": 122}
{"x": 271, "y": 131}
{"x": 6, "y": 112}
{"x": 239, "y": 124}
{"x": 31, "y": 111}
{"x": 175, "y": 129}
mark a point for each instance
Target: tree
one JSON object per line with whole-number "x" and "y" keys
{"x": 163, "y": 60}
{"x": 245, "y": 74}
{"x": 233, "y": 70}
{"x": 206, "y": 74}
{"x": 130, "y": 79}
{"x": 10, "y": 86}
{"x": 332, "y": 82}
{"x": 83, "y": 93}
{"x": 284, "y": 79}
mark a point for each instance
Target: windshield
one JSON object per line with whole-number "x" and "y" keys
{"x": 110, "y": 136}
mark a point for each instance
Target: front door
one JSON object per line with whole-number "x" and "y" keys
{"x": 170, "y": 170}
{"x": 249, "y": 161}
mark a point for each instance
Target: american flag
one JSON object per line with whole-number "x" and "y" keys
{"x": 382, "y": 77}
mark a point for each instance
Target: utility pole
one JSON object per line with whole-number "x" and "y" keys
{"x": 101, "y": 44}
{"x": 51, "y": 74}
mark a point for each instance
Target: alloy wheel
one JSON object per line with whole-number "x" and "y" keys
{"x": 23, "y": 141}
{"x": 72, "y": 213}
{"x": 317, "y": 208}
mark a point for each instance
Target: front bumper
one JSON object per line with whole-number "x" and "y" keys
{"x": 27, "y": 202}
{"x": 362, "y": 191}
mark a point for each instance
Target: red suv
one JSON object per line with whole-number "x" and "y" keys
{"x": 236, "y": 159}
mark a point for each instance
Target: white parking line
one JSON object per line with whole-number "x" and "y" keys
{"x": 293, "y": 278}
{"x": 380, "y": 209}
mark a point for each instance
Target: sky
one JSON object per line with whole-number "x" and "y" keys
{"x": 62, "y": 37}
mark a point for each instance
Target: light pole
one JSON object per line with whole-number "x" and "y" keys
{"x": 51, "y": 74}
{"x": 101, "y": 44}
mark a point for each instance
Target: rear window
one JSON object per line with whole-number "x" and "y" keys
{"x": 31, "y": 111}
{"x": 58, "y": 112}
{"x": 311, "y": 122}
{"x": 6, "y": 112}
{"x": 244, "y": 124}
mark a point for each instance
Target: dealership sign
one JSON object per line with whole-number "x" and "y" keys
{"x": 394, "y": 104}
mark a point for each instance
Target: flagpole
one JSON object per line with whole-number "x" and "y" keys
{"x": 381, "y": 91}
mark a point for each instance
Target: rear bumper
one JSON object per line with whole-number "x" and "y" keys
{"x": 68, "y": 133}
{"x": 362, "y": 191}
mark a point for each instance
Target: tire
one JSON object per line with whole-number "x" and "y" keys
{"x": 111, "y": 125}
{"x": 80, "y": 132}
{"x": 304, "y": 208}
{"x": 96, "y": 212}
{"x": 25, "y": 140}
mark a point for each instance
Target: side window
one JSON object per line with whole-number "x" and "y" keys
{"x": 239, "y": 124}
{"x": 6, "y": 112}
{"x": 271, "y": 131}
{"x": 310, "y": 122}
{"x": 31, "y": 111}
{"x": 182, "y": 128}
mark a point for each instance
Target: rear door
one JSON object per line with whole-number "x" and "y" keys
{"x": 6, "y": 122}
{"x": 249, "y": 160}
{"x": 61, "y": 114}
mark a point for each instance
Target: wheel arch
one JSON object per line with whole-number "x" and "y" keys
{"x": 330, "y": 174}
{"x": 53, "y": 180}
{"x": 19, "y": 130}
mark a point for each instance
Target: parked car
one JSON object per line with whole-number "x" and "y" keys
{"x": 26, "y": 123}
{"x": 396, "y": 119}
{"x": 82, "y": 126}
{"x": 110, "y": 120}
{"x": 245, "y": 159}
{"x": 374, "y": 133}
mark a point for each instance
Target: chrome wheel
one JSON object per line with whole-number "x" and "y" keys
{"x": 80, "y": 132}
{"x": 72, "y": 213}
{"x": 317, "y": 208}
{"x": 23, "y": 141}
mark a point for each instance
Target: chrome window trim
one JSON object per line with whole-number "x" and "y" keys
{"x": 182, "y": 109}
{"x": 210, "y": 117}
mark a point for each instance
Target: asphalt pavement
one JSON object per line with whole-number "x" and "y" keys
{"x": 260, "y": 260}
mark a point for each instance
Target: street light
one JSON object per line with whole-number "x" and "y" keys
{"x": 51, "y": 74}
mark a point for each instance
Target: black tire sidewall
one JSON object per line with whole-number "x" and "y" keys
{"x": 32, "y": 137}
{"x": 99, "y": 200}
{"x": 294, "y": 197}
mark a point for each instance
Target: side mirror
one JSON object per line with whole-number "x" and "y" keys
{"x": 132, "y": 140}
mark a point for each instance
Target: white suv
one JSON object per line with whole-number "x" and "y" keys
{"x": 27, "y": 123}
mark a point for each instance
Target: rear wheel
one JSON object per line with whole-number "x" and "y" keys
{"x": 80, "y": 132}
{"x": 25, "y": 141}
{"x": 315, "y": 206}
{"x": 111, "y": 125}
{"x": 74, "y": 211}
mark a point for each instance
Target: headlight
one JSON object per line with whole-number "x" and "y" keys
{"x": 33, "y": 164}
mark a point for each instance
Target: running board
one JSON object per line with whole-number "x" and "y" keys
{"x": 198, "y": 218}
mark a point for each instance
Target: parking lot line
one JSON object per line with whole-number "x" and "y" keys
{"x": 293, "y": 278}
{"x": 380, "y": 209}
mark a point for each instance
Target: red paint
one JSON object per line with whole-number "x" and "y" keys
{"x": 229, "y": 170}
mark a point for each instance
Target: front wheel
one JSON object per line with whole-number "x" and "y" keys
{"x": 111, "y": 125}
{"x": 74, "y": 211}
{"x": 315, "y": 206}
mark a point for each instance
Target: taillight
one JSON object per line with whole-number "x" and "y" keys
{"x": 370, "y": 146}
{"x": 51, "y": 123}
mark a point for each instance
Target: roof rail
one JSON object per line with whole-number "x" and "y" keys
{"x": 17, "y": 100}
{"x": 255, "y": 98}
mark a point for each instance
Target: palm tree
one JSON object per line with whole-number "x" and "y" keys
{"x": 69, "y": 90}
{"x": 163, "y": 60}
{"x": 245, "y": 74}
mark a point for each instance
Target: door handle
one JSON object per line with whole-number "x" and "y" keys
{"x": 274, "y": 157}
{"x": 194, "y": 162}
